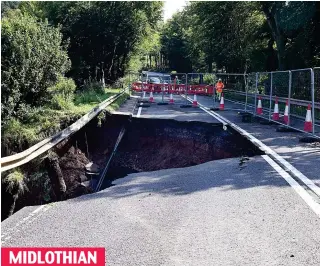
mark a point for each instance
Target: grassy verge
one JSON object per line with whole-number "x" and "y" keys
{"x": 40, "y": 123}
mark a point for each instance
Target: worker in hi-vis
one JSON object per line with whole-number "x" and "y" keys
{"x": 219, "y": 88}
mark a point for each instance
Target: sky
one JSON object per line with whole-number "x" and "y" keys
{"x": 172, "y": 6}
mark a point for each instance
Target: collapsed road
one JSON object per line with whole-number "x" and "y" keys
{"x": 195, "y": 200}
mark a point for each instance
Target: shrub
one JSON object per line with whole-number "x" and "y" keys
{"x": 94, "y": 86}
{"x": 62, "y": 94}
{"x": 32, "y": 59}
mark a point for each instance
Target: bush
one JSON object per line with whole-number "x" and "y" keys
{"x": 65, "y": 88}
{"x": 16, "y": 136}
{"x": 62, "y": 94}
{"x": 94, "y": 86}
{"x": 32, "y": 59}
{"x": 209, "y": 79}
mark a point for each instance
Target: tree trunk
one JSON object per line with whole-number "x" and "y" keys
{"x": 13, "y": 205}
{"x": 278, "y": 36}
{"x": 56, "y": 177}
{"x": 102, "y": 75}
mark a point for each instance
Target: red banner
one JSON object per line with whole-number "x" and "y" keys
{"x": 52, "y": 256}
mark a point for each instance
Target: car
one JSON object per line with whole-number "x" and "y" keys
{"x": 154, "y": 80}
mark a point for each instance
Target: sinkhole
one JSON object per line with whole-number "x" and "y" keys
{"x": 154, "y": 144}
{"x": 147, "y": 145}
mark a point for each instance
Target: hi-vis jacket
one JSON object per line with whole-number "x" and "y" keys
{"x": 219, "y": 86}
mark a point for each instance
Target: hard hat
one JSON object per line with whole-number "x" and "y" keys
{"x": 219, "y": 80}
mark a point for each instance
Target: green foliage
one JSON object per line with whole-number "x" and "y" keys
{"x": 242, "y": 36}
{"x": 209, "y": 79}
{"x": 103, "y": 35}
{"x": 41, "y": 184}
{"x": 62, "y": 94}
{"x": 15, "y": 182}
{"x": 7, "y": 5}
{"x": 32, "y": 60}
{"x": 15, "y": 135}
{"x": 94, "y": 86}
{"x": 64, "y": 87}
{"x": 117, "y": 103}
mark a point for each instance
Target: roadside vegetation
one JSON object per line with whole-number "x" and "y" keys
{"x": 61, "y": 59}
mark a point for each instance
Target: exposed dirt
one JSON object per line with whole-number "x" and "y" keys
{"x": 148, "y": 145}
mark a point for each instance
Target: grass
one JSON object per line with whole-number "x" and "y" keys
{"x": 15, "y": 182}
{"x": 42, "y": 122}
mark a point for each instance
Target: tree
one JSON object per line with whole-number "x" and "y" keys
{"x": 103, "y": 35}
{"x": 32, "y": 59}
{"x": 7, "y": 5}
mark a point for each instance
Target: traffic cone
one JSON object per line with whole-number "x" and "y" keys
{"x": 259, "y": 108}
{"x": 171, "y": 99}
{"x": 286, "y": 114}
{"x": 195, "y": 102}
{"x": 275, "y": 115}
{"x": 308, "y": 122}
{"x": 151, "y": 97}
{"x": 221, "y": 107}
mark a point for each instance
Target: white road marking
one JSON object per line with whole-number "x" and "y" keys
{"x": 202, "y": 107}
{"x": 272, "y": 153}
{"x": 295, "y": 185}
{"x": 139, "y": 111}
{"x": 6, "y": 236}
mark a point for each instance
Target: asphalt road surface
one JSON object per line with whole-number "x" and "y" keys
{"x": 224, "y": 212}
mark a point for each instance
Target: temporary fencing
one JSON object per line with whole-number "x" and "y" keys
{"x": 284, "y": 95}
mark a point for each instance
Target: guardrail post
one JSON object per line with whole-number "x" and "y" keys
{"x": 270, "y": 100}
{"x": 289, "y": 96}
{"x": 255, "y": 96}
{"x": 312, "y": 98}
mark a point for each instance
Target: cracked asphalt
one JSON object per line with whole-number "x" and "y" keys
{"x": 224, "y": 212}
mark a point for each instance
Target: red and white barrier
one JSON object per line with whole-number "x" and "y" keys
{"x": 173, "y": 88}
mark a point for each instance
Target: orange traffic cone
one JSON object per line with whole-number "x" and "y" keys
{"x": 221, "y": 107}
{"x": 171, "y": 99}
{"x": 195, "y": 102}
{"x": 151, "y": 97}
{"x": 308, "y": 122}
{"x": 259, "y": 108}
{"x": 286, "y": 114}
{"x": 275, "y": 115}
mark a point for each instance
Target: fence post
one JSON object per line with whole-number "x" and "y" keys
{"x": 289, "y": 96}
{"x": 246, "y": 77}
{"x": 186, "y": 91}
{"x": 270, "y": 100}
{"x": 312, "y": 98}
{"x": 214, "y": 90}
{"x": 255, "y": 96}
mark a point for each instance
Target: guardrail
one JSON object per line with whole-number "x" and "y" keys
{"x": 36, "y": 150}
